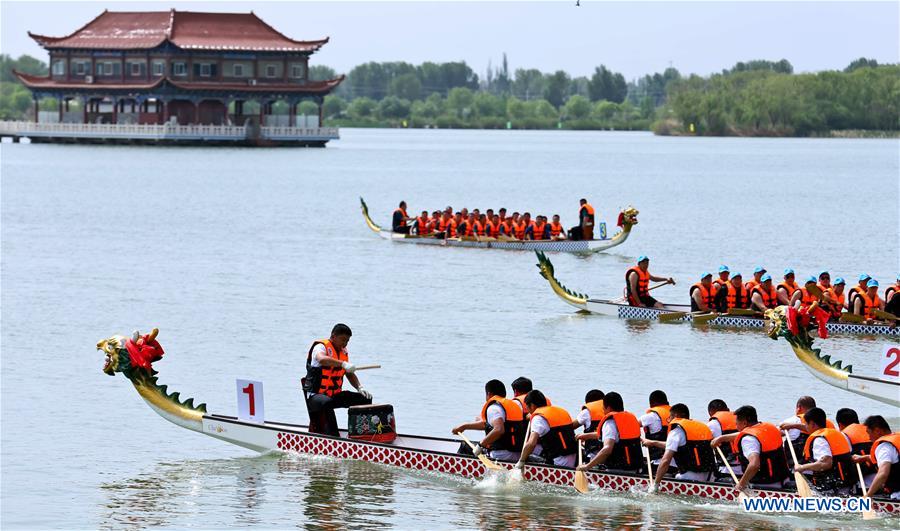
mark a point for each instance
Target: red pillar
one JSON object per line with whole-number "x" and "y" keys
{"x": 115, "y": 116}
{"x": 37, "y": 110}
{"x": 84, "y": 110}
{"x": 292, "y": 110}
{"x": 262, "y": 113}
{"x": 60, "y": 104}
{"x": 321, "y": 113}
{"x": 196, "y": 111}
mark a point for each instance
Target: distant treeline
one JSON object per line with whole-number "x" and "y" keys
{"x": 759, "y": 97}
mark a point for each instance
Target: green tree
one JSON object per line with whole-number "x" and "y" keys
{"x": 487, "y": 104}
{"x": 460, "y": 101}
{"x": 362, "y": 108}
{"x": 321, "y": 73}
{"x": 556, "y": 88}
{"x": 406, "y": 86}
{"x": 577, "y": 108}
{"x": 528, "y": 84}
{"x": 862, "y": 62}
{"x": 393, "y": 107}
{"x": 334, "y": 106}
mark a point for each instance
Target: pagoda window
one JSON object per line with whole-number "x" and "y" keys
{"x": 270, "y": 71}
{"x": 59, "y": 67}
{"x": 205, "y": 69}
{"x": 79, "y": 68}
{"x": 159, "y": 68}
{"x": 179, "y": 69}
{"x": 237, "y": 70}
{"x": 137, "y": 69}
{"x": 297, "y": 72}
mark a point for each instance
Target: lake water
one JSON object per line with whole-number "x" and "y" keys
{"x": 243, "y": 256}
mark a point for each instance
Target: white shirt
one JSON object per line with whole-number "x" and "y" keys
{"x": 749, "y": 446}
{"x": 820, "y": 448}
{"x": 541, "y": 427}
{"x": 675, "y": 440}
{"x": 715, "y": 428}
{"x": 584, "y": 418}
{"x": 886, "y": 453}
{"x": 609, "y": 431}
{"x": 652, "y": 422}
{"x": 792, "y": 432}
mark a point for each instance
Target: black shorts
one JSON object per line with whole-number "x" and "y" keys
{"x": 647, "y": 300}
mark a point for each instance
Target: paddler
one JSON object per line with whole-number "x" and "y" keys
{"x": 400, "y": 219}
{"x": 759, "y": 451}
{"x": 834, "y": 296}
{"x": 733, "y": 295}
{"x": 824, "y": 280}
{"x": 808, "y": 307}
{"x": 721, "y": 421}
{"x": 592, "y": 412}
{"x": 557, "y": 232}
{"x": 796, "y": 426}
{"x": 551, "y": 436}
{"x": 637, "y": 282}
{"x": 423, "y": 224}
{"x": 703, "y": 294}
{"x": 655, "y": 421}
{"x": 521, "y": 386}
{"x": 586, "y": 219}
{"x": 523, "y": 225}
{"x": 827, "y": 455}
{"x": 327, "y": 362}
{"x": 803, "y": 297}
{"x": 687, "y": 445}
{"x": 889, "y": 292}
{"x": 861, "y": 287}
{"x": 848, "y": 422}
{"x": 502, "y": 214}
{"x": 538, "y": 230}
{"x": 787, "y": 288}
{"x": 866, "y": 303}
{"x": 501, "y": 420}
{"x": 758, "y": 272}
{"x": 885, "y": 456}
{"x": 764, "y": 297}
{"x": 722, "y": 281}
{"x": 620, "y": 438}
{"x": 492, "y": 229}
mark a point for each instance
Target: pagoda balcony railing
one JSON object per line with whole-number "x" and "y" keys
{"x": 168, "y": 131}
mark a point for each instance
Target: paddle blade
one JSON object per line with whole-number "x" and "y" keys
{"x": 703, "y": 319}
{"x": 581, "y": 482}
{"x": 803, "y": 488}
{"x": 885, "y": 315}
{"x": 851, "y": 318}
{"x": 671, "y": 316}
{"x": 490, "y": 465}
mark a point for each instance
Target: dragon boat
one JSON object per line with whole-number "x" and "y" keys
{"x": 782, "y": 323}
{"x": 628, "y": 221}
{"x": 132, "y": 358}
{"x": 621, "y": 309}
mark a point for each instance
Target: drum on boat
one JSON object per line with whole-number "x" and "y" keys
{"x": 374, "y": 422}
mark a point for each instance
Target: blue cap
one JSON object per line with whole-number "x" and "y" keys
{"x": 737, "y": 274}
{"x": 810, "y": 279}
{"x": 765, "y": 277}
{"x": 788, "y": 271}
{"x": 872, "y": 283}
{"x": 723, "y": 269}
{"x": 705, "y": 274}
{"x": 642, "y": 257}
{"x": 823, "y": 272}
{"x": 839, "y": 280}
{"x": 759, "y": 269}
{"x": 864, "y": 277}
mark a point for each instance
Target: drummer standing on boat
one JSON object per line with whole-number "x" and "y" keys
{"x": 326, "y": 365}
{"x": 586, "y": 220}
{"x": 637, "y": 284}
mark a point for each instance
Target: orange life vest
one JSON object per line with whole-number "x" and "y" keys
{"x": 588, "y": 208}
{"x": 451, "y": 228}
{"x": 422, "y": 225}
{"x": 870, "y": 305}
{"x": 750, "y": 284}
{"x": 838, "y": 303}
{"x": 324, "y": 380}
{"x": 560, "y": 440}
{"x": 519, "y": 230}
{"x": 708, "y": 296}
{"x": 402, "y": 212}
{"x": 597, "y": 414}
{"x": 789, "y": 288}
{"x": 718, "y": 283}
{"x": 513, "y": 427}
{"x": 492, "y": 229}
{"x": 643, "y": 284}
{"x": 840, "y": 454}
{"x": 735, "y": 298}
{"x": 696, "y": 455}
{"x": 889, "y": 292}
{"x": 770, "y": 298}
{"x": 626, "y": 454}
{"x": 807, "y": 298}
{"x": 727, "y": 421}
{"x": 773, "y": 463}
{"x": 555, "y": 229}
{"x": 852, "y": 293}
{"x": 507, "y": 227}
{"x": 893, "y": 482}
{"x": 859, "y": 438}
{"x": 537, "y": 230}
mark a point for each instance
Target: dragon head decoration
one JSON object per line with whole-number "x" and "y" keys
{"x": 133, "y": 357}
{"x": 546, "y": 268}
{"x": 782, "y": 322}
{"x": 628, "y": 218}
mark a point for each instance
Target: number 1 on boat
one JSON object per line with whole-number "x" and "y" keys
{"x": 250, "y": 400}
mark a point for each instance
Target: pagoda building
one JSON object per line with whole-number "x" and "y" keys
{"x": 177, "y": 68}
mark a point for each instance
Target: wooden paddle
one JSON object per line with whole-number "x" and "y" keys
{"x": 803, "y": 488}
{"x": 704, "y": 319}
{"x": 646, "y": 452}
{"x": 624, "y": 298}
{"x": 674, "y": 316}
{"x": 741, "y": 494}
{"x": 490, "y": 465}
{"x": 886, "y": 315}
{"x": 870, "y": 514}
{"x": 851, "y": 318}
{"x": 816, "y": 292}
{"x": 745, "y": 312}
{"x": 581, "y": 481}
{"x": 364, "y": 367}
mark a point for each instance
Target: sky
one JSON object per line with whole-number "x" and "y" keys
{"x": 634, "y": 38}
